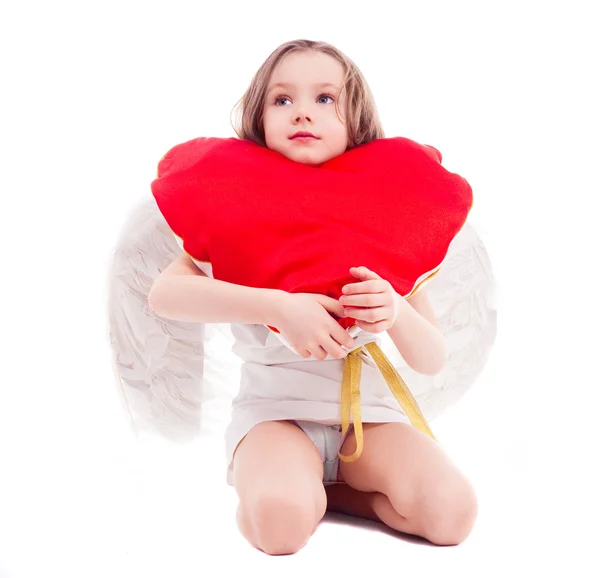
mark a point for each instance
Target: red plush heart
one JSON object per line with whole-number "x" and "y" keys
{"x": 263, "y": 220}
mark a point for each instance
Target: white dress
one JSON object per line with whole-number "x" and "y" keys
{"x": 278, "y": 384}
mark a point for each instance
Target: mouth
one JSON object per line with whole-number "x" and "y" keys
{"x": 304, "y": 136}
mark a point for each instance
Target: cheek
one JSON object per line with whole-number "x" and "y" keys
{"x": 341, "y": 134}
{"x": 269, "y": 126}
{"x": 271, "y": 123}
{"x": 338, "y": 121}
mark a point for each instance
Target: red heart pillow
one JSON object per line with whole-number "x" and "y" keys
{"x": 263, "y": 220}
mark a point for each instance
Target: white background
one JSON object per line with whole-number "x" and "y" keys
{"x": 93, "y": 94}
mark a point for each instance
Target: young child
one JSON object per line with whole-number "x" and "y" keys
{"x": 311, "y": 103}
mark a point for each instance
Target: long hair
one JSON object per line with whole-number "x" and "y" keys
{"x": 362, "y": 120}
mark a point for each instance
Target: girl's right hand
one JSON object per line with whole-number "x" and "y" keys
{"x": 304, "y": 320}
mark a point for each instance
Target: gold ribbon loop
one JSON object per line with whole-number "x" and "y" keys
{"x": 351, "y": 395}
{"x": 351, "y": 401}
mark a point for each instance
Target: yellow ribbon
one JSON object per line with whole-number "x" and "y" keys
{"x": 351, "y": 395}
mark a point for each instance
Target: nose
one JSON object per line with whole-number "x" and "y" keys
{"x": 301, "y": 113}
{"x": 302, "y": 116}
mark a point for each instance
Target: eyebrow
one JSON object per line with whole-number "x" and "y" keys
{"x": 288, "y": 84}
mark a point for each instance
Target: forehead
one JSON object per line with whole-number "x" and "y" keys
{"x": 307, "y": 70}
{"x": 292, "y": 85}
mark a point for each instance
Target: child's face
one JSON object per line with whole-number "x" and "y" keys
{"x": 303, "y": 106}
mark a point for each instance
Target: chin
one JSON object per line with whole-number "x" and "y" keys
{"x": 311, "y": 162}
{"x": 310, "y": 157}
{"x": 305, "y": 159}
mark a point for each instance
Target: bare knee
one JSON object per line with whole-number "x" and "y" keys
{"x": 283, "y": 523}
{"x": 449, "y": 514}
{"x": 278, "y": 476}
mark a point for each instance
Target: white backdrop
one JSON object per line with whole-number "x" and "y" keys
{"x": 93, "y": 94}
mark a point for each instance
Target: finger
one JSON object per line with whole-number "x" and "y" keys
{"x": 363, "y": 300}
{"x": 370, "y": 327}
{"x": 373, "y": 315}
{"x": 342, "y": 337}
{"x": 372, "y": 286}
{"x": 330, "y": 347}
{"x": 334, "y": 349}
{"x": 332, "y": 305}
{"x": 321, "y": 353}
{"x": 364, "y": 272}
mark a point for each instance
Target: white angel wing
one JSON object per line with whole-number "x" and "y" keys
{"x": 462, "y": 295}
{"x": 167, "y": 370}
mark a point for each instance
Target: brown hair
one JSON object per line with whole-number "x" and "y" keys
{"x": 363, "y": 122}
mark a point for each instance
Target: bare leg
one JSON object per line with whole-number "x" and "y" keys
{"x": 411, "y": 484}
{"x": 346, "y": 500}
{"x": 375, "y": 506}
{"x": 278, "y": 475}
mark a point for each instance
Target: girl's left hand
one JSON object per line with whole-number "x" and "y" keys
{"x": 373, "y": 302}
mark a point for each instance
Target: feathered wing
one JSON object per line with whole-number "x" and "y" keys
{"x": 165, "y": 369}
{"x": 462, "y": 294}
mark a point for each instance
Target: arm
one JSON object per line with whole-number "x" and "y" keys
{"x": 184, "y": 293}
{"x": 417, "y": 335}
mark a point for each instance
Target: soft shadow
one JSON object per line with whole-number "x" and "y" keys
{"x": 345, "y": 520}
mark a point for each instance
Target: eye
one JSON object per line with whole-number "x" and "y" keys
{"x": 281, "y": 97}
{"x": 326, "y": 96}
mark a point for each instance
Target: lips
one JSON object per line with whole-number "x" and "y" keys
{"x": 303, "y": 135}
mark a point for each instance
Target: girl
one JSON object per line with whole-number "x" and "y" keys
{"x": 310, "y": 103}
